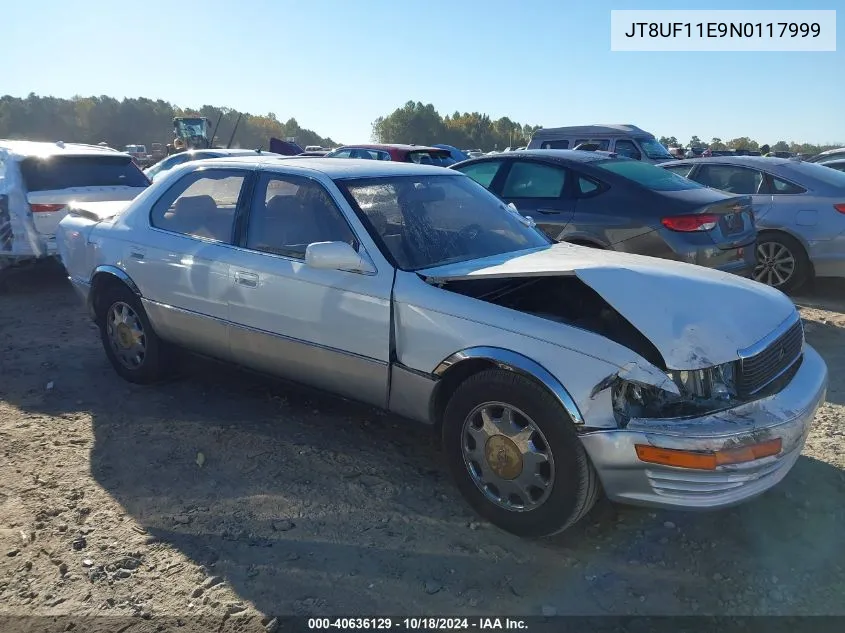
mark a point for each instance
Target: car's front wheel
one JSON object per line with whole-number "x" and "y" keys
{"x": 130, "y": 343}
{"x": 514, "y": 454}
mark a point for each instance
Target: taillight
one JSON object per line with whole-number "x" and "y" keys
{"x": 46, "y": 208}
{"x": 839, "y": 207}
{"x": 689, "y": 223}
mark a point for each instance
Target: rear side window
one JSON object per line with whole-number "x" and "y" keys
{"x": 555, "y": 145}
{"x": 65, "y": 172}
{"x": 730, "y": 178}
{"x": 201, "y": 204}
{"x": 482, "y": 173}
{"x": 646, "y": 175}
{"x": 441, "y": 159}
{"x": 534, "y": 180}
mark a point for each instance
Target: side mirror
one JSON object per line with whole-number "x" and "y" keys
{"x": 337, "y": 256}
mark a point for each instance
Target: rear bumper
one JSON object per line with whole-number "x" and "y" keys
{"x": 786, "y": 415}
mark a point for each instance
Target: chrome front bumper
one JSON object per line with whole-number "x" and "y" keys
{"x": 787, "y": 415}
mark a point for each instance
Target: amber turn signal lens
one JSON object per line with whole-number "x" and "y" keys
{"x": 707, "y": 460}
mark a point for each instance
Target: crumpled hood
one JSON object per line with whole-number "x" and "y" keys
{"x": 696, "y": 317}
{"x": 98, "y": 210}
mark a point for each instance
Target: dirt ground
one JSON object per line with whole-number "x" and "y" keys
{"x": 228, "y": 498}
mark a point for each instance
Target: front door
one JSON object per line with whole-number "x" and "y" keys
{"x": 326, "y": 328}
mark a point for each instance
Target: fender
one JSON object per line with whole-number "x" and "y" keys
{"x": 512, "y": 361}
{"x": 100, "y": 274}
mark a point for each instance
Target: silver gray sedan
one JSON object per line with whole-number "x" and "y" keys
{"x": 799, "y": 208}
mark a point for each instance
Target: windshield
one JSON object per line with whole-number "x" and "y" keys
{"x": 425, "y": 221}
{"x": 653, "y": 149}
{"x": 191, "y": 127}
{"x": 818, "y": 171}
{"x": 646, "y": 175}
{"x": 66, "y": 172}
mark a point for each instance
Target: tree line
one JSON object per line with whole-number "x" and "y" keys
{"x": 743, "y": 142}
{"x": 422, "y": 124}
{"x": 128, "y": 121}
{"x": 120, "y": 122}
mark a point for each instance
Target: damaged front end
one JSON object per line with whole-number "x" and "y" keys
{"x": 636, "y": 393}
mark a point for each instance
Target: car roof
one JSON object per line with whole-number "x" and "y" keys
{"x": 387, "y": 146}
{"x": 337, "y": 167}
{"x": 26, "y": 149}
{"x": 576, "y": 155}
{"x": 759, "y": 162}
{"x": 600, "y": 128}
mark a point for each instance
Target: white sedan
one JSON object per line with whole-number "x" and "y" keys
{"x": 551, "y": 371}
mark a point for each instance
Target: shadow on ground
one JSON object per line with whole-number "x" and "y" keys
{"x": 309, "y": 504}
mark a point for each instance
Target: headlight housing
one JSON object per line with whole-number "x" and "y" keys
{"x": 701, "y": 391}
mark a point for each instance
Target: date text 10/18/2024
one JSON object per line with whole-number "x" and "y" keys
{"x": 419, "y": 624}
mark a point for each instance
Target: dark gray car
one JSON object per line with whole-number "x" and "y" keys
{"x": 799, "y": 209}
{"x": 626, "y": 205}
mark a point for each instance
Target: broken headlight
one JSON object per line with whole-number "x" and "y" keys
{"x": 700, "y": 392}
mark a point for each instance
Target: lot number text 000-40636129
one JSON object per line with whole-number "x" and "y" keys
{"x": 723, "y": 31}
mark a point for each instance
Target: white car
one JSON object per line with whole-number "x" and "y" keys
{"x": 551, "y": 371}
{"x": 39, "y": 180}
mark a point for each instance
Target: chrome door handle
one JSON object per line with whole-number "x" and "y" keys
{"x": 548, "y": 211}
{"x": 250, "y": 280}
{"x": 136, "y": 253}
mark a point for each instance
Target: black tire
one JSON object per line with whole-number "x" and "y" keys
{"x": 574, "y": 485}
{"x": 771, "y": 242}
{"x": 155, "y": 364}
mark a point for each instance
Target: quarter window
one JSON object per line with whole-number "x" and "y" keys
{"x": 730, "y": 178}
{"x": 587, "y": 187}
{"x": 201, "y": 204}
{"x": 534, "y": 180}
{"x": 782, "y": 187}
{"x": 483, "y": 173}
{"x": 290, "y": 212}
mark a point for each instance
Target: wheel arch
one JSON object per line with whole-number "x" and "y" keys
{"x": 456, "y": 368}
{"x": 104, "y": 277}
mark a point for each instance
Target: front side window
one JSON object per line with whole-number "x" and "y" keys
{"x": 483, "y": 173}
{"x": 425, "y": 221}
{"x": 201, "y": 204}
{"x": 730, "y": 178}
{"x": 290, "y": 212}
{"x": 645, "y": 174}
{"x": 628, "y": 149}
{"x": 653, "y": 149}
{"x": 534, "y": 180}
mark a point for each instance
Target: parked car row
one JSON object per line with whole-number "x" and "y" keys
{"x": 552, "y": 372}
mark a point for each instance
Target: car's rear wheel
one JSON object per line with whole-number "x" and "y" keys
{"x": 514, "y": 454}
{"x": 130, "y": 343}
{"x": 781, "y": 262}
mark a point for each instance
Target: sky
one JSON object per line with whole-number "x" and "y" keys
{"x": 335, "y": 65}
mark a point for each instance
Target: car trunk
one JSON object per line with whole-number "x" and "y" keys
{"x": 54, "y": 182}
{"x": 732, "y": 216}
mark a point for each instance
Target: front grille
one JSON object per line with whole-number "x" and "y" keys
{"x": 760, "y": 369}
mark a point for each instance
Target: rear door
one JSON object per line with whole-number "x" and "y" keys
{"x": 540, "y": 190}
{"x": 181, "y": 263}
{"x": 53, "y": 182}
